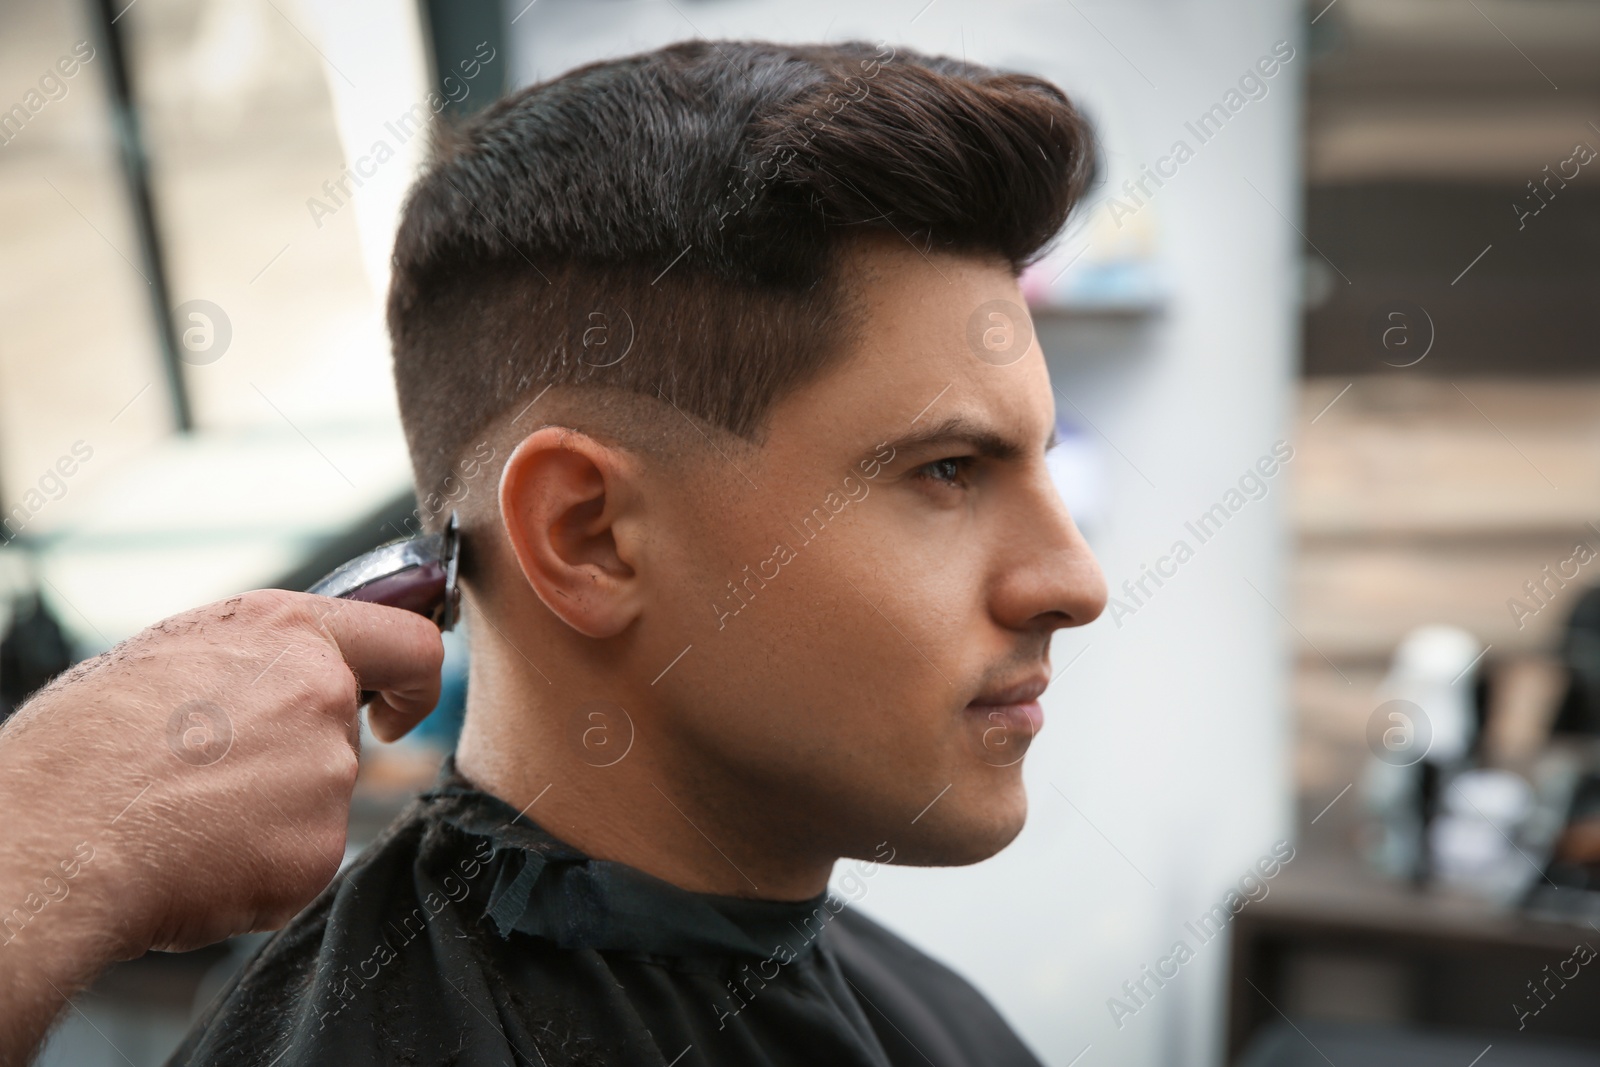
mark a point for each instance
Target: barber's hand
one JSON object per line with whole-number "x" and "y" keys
{"x": 194, "y": 782}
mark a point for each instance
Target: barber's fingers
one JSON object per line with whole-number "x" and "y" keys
{"x": 396, "y": 653}
{"x": 389, "y": 724}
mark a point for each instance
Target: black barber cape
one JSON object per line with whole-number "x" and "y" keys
{"x": 467, "y": 935}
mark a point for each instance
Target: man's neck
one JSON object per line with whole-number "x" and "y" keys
{"x": 612, "y": 784}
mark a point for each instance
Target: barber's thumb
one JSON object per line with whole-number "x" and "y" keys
{"x": 395, "y": 710}
{"x": 391, "y": 723}
{"x": 397, "y": 655}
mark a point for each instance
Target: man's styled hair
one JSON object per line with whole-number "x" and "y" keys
{"x": 670, "y": 224}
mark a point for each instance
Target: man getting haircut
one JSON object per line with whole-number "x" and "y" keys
{"x": 720, "y": 352}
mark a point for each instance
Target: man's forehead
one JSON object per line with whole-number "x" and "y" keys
{"x": 1003, "y": 414}
{"x": 912, "y": 370}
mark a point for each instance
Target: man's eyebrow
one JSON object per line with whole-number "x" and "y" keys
{"x": 961, "y": 430}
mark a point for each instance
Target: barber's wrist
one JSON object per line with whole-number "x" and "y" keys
{"x": 56, "y": 933}
{"x": 65, "y": 910}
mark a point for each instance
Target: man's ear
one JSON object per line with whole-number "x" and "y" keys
{"x": 561, "y": 496}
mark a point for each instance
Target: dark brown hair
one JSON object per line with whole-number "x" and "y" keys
{"x": 689, "y": 203}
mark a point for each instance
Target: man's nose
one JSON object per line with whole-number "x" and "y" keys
{"x": 1052, "y": 579}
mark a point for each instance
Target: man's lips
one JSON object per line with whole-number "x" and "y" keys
{"x": 1015, "y": 707}
{"x": 1026, "y": 691}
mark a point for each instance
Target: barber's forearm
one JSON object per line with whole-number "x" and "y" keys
{"x": 57, "y": 932}
{"x": 39, "y": 972}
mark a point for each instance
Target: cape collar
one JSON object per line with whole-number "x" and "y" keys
{"x": 547, "y": 888}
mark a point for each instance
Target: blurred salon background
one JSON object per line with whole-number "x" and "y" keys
{"x": 1339, "y": 345}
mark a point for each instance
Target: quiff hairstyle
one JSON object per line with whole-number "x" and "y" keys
{"x": 691, "y": 203}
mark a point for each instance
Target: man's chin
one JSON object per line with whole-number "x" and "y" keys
{"x": 962, "y": 835}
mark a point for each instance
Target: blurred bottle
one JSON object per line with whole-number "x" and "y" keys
{"x": 1421, "y": 736}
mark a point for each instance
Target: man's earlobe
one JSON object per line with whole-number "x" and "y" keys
{"x": 562, "y": 494}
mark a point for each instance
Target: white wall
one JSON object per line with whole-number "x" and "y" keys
{"x": 1169, "y": 735}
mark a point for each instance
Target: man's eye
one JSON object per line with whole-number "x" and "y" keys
{"x": 949, "y": 471}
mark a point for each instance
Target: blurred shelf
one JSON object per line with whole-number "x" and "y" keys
{"x": 1333, "y": 944}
